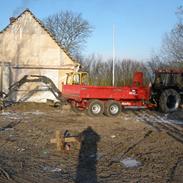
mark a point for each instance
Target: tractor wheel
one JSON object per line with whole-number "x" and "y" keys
{"x": 112, "y": 108}
{"x": 95, "y": 108}
{"x": 169, "y": 101}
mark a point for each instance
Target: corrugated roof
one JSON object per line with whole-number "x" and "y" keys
{"x": 42, "y": 25}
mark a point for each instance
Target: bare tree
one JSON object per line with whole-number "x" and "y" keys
{"x": 70, "y": 29}
{"x": 172, "y": 45}
{"x": 125, "y": 70}
{"x": 156, "y": 62}
{"x": 100, "y": 70}
{"x": 171, "y": 52}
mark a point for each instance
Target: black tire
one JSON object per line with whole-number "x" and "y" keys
{"x": 169, "y": 101}
{"x": 95, "y": 108}
{"x": 58, "y": 105}
{"x": 112, "y": 108}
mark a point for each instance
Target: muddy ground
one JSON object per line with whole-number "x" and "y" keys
{"x": 138, "y": 146}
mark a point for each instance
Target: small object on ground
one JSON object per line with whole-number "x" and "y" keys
{"x": 130, "y": 163}
{"x": 4, "y": 173}
{"x": 20, "y": 149}
{"x": 56, "y": 170}
{"x": 93, "y": 156}
{"x": 67, "y": 147}
{"x": 66, "y": 133}
{"x": 113, "y": 136}
{"x": 64, "y": 143}
{"x": 45, "y": 152}
{"x": 126, "y": 118}
{"x": 51, "y": 169}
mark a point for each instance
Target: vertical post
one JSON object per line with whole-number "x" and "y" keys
{"x": 113, "y": 55}
{"x": 58, "y": 140}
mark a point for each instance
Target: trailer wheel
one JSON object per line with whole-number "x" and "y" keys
{"x": 95, "y": 108}
{"x": 169, "y": 101}
{"x": 112, "y": 108}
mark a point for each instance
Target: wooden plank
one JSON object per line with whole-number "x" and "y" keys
{"x": 58, "y": 141}
{"x": 71, "y": 139}
{"x": 62, "y": 143}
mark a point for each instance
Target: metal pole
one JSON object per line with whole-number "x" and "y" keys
{"x": 113, "y": 56}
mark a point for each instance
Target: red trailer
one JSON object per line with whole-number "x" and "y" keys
{"x": 107, "y": 99}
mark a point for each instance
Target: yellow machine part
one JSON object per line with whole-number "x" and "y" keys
{"x": 77, "y": 78}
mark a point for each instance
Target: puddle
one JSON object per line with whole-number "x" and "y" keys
{"x": 159, "y": 119}
{"x": 130, "y": 163}
{"x": 174, "y": 119}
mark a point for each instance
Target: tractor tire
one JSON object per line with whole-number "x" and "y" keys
{"x": 112, "y": 108}
{"x": 169, "y": 101}
{"x": 95, "y": 108}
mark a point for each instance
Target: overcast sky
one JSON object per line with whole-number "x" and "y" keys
{"x": 140, "y": 24}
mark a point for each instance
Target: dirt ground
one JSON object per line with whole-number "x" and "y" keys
{"x": 138, "y": 146}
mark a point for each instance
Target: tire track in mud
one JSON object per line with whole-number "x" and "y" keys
{"x": 10, "y": 125}
{"x": 31, "y": 171}
{"x": 172, "y": 173}
{"x": 160, "y": 123}
{"x": 136, "y": 144}
{"x": 131, "y": 147}
{"x": 155, "y": 121}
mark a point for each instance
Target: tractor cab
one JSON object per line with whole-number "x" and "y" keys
{"x": 164, "y": 79}
{"x": 77, "y": 78}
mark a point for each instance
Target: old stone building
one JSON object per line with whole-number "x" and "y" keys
{"x": 27, "y": 47}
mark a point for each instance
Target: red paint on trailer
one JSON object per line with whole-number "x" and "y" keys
{"x": 135, "y": 95}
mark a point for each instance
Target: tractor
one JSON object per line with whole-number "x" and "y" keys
{"x": 167, "y": 89}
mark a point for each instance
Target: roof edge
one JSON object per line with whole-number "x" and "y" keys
{"x": 43, "y": 26}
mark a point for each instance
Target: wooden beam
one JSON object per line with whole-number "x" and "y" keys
{"x": 63, "y": 142}
{"x": 58, "y": 141}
